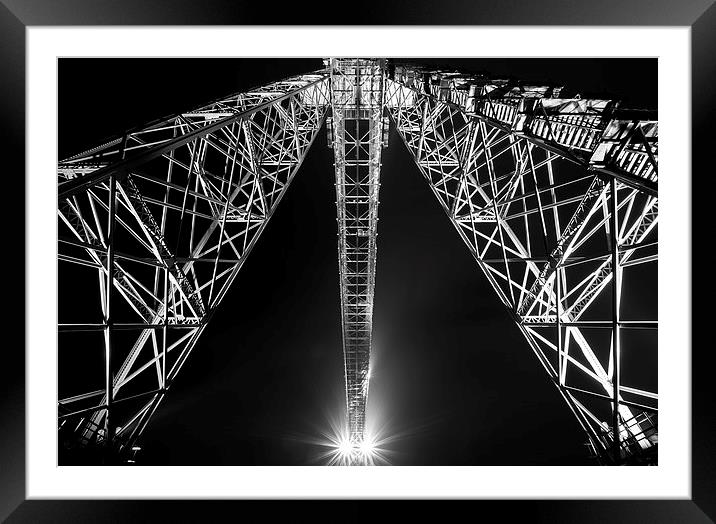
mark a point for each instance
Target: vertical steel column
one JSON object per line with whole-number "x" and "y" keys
{"x": 558, "y": 314}
{"x": 616, "y": 291}
{"x": 165, "y": 326}
{"x": 357, "y": 88}
{"x": 108, "y": 378}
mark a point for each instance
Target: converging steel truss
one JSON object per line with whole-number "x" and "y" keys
{"x": 357, "y": 133}
{"x": 556, "y": 198}
{"x": 153, "y": 229}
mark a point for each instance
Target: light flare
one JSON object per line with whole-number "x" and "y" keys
{"x": 343, "y": 451}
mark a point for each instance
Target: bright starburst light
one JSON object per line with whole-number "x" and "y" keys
{"x": 340, "y": 450}
{"x": 344, "y": 452}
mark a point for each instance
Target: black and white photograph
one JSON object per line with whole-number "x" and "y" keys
{"x": 357, "y": 261}
{"x": 415, "y": 253}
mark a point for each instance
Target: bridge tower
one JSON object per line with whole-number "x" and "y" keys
{"x": 357, "y": 132}
{"x": 555, "y": 197}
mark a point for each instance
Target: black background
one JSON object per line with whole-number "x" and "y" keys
{"x": 698, "y": 15}
{"x": 454, "y": 382}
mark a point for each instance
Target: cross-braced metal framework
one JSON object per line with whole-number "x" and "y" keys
{"x": 557, "y": 201}
{"x": 154, "y": 226}
{"x": 556, "y": 198}
{"x": 357, "y": 132}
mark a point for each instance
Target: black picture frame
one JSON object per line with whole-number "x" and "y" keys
{"x": 17, "y": 15}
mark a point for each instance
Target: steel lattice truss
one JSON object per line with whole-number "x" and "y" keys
{"x": 155, "y": 226}
{"x": 356, "y": 131}
{"x": 556, "y": 200}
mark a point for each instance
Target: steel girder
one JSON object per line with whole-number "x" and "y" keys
{"x": 153, "y": 228}
{"x": 556, "y": 200}
{"x": 357, "y": 132}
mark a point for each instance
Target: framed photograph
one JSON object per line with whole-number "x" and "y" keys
{"x": 235, "y": 233}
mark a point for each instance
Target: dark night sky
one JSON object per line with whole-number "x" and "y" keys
{"x": 452, "y": 375}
